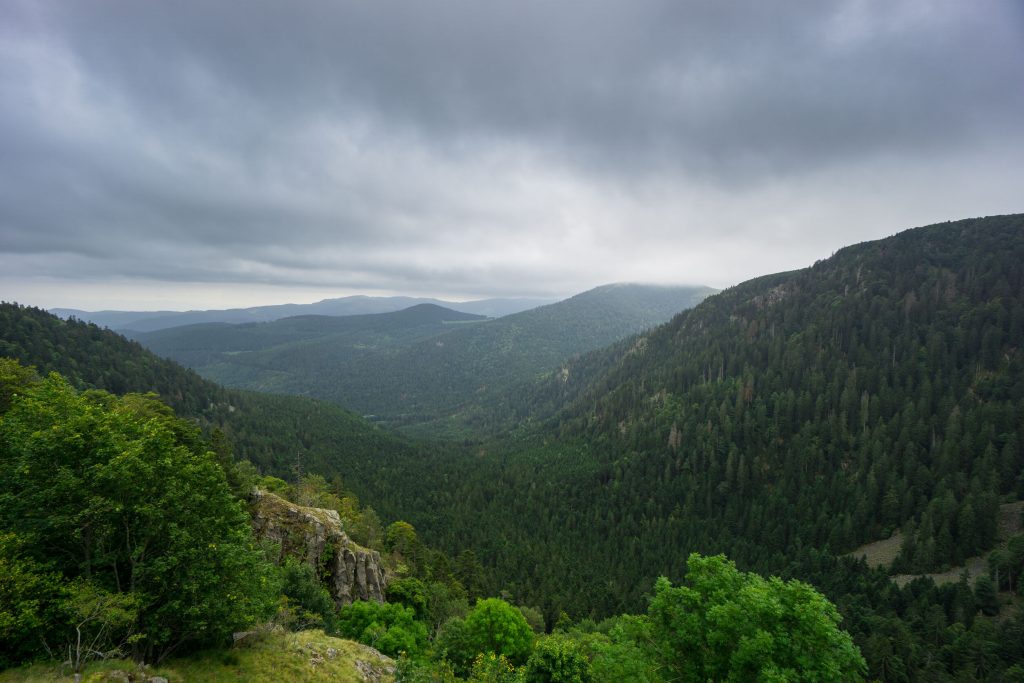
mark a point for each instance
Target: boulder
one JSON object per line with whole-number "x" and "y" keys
{"x": 315, "y": 536}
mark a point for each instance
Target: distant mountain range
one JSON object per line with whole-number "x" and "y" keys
{"x": 422, "y": 364}
{"x": 205, "y": 344}
{"x": 148, "y": 321}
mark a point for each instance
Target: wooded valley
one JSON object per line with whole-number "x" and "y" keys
{"x": 575, "y": 492}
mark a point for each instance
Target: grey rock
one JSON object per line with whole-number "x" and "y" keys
{"x": 375, "y": 672}
{"x": 315, "y": 536}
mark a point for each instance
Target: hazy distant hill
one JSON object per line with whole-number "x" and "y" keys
{"x": 399, "y": 378}
{"x": 208, "y": 343}
{"x": 147, "y": 321}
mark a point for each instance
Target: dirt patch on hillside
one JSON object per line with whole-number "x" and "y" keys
{"x": 880, "y": 553}
{"x": 974, "y": 566}
{"x": 1010, "y": 521}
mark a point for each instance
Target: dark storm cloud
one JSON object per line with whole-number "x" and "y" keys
{"x": 487, "y": 147}
{"x": 688, "y": 84}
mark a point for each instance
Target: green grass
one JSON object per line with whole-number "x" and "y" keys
{"x": 305, "y": 657}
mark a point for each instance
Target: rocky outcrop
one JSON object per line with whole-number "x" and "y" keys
{"x": 315, "y": 536}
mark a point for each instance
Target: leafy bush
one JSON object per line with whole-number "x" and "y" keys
{"x": 724, "y": 624}
{"x": 311, "y": 603}
{"x": 557, "y": 659}
{"x": 389, "y": 627}
{"x": 118, "y": 490}
{"x": 493, "y": 626}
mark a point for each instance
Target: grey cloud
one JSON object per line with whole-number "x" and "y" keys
{"x": 474, "y": 145}
{"x": 698, "y": 85}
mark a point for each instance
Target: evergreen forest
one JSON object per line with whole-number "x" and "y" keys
{"x": 691, "y": 502}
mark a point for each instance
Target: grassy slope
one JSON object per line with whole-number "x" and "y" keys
{"x": 303, "y": 657}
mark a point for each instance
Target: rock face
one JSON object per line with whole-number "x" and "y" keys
{"x": 315, "y": 536}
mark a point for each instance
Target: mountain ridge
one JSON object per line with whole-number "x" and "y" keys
{"x": 414, "y": 378}
{"x": 360, "y": 304}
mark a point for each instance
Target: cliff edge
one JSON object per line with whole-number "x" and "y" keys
{"x": 315, "y": 535}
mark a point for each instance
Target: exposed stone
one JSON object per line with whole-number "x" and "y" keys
{"x": 375, "y": 672}
{"x": 315, "y": 536}
{"x": 157, "y": 679}
{"x": 373, "y": 666}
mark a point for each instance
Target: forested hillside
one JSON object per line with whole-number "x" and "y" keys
{"x": 279, "y": 434}
{"x": 122, "y": 536}
{"x": 405, "y": 381}
{"x": 881, "y": 387}
{"x": 783, "y": 420}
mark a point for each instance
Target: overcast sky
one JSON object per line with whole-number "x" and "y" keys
{"x": 208, "y": 154}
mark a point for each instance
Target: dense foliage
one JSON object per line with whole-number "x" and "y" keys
{"x": 120, "y": 533}
{"x": 720, "y": 625}
{"x": 815, "y": 410}
{"x": 726, "y": 625}
{"x": 127, "y": 511}
{"x": 390, "y": 627}
{"x": 785, "y": 421}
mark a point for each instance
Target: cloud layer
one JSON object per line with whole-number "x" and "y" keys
{"x": 177, "y": 151}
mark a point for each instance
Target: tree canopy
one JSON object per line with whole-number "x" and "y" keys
{"x": 726, "y": 625}
{"x": 118, "y": 493}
